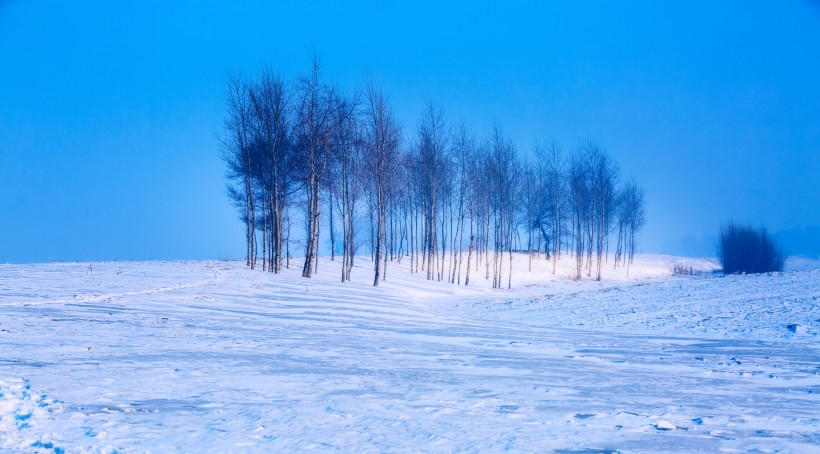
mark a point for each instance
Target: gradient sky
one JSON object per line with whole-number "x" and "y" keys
{"x": 108, "y": 110}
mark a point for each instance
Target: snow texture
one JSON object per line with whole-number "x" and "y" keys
{"x": 214, "y": 357}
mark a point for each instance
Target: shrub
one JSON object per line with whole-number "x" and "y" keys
{"x": 745, "y": 249}
{"x": 683, "y": 270}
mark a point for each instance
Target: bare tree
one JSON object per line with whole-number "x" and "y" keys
{"x": 578, "y": 182}
{"x": 237, "y": 153}
{"x": 631, "y": 217}
{"x": 432, "y": 166}
{"x": 382, "y": 140}
{"x": 503, "y": 171}
{"x": 477, "y": 202}
{"x": 532, "y": 195}
{"x": 554, "y": 191}
{"x": 592, "y": 181}
{"x": 605, "y": 177}
{"x": 316, "y": 121}
{"x": 463, "y": 144}
{"x": 269, "y": 100}
{"x": 348, "y": 179}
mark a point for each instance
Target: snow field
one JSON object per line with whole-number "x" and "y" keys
{"x": 214, "y": 357}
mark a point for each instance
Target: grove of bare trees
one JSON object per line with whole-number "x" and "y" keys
{"x": 435, "y": 198}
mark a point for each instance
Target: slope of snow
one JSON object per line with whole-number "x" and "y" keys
{"x": 211, "y": 356}
{"x": 768, "y": 306}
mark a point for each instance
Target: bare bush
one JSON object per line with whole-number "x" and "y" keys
{"x": 680, "y": 269}
{"x": 745, "y": 249}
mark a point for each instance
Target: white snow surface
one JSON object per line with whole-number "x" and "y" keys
{"x": 210, "y": 356}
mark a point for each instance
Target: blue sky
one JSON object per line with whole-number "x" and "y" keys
{"x": 108, "y": 110}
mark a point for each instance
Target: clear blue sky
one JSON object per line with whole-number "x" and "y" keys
{"x": 108, "y": 110}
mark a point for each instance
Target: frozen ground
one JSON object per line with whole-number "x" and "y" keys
{"x": 211, "y": 356}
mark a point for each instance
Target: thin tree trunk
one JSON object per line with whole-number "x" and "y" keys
{"x": 344, "y": 239}
{"x": 313, "y": 221}
{"x": 378, "y": 241}
{"x": 332, "y": 232}
{"x": 487, "y": 248}
{"x": 264, "y": 238}
{"x": 509, "y": 277}
{"x": 470, "y": 252}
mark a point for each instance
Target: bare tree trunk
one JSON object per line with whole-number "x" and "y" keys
{"x": 460, "y": 243}
{"x": 487, "y": 248}
{"x": 416, "y": 240}
{"x": 425, "y": 247}
{"x": 470, "y": 252}
{"x": 313, "y": 228}
{"x": 280, "y": 226}
{"x": 480, "y": 243}
{"x": 287, "y": 240}
{"x": 440, "y": 265}
{"x": 499, "y": 266}
{"x": 403, "y": 232}
{"x": 529, "y": 246}
{"x": 332, "y": 232}
{"x": 430, "y": 246}
{"x": 252, "y": 224}
{"x": 344, "y": 238}
{"x": 264, "y": 238}
{"x": 316, "y": 243}
{"x": 453, "y": 237}
{"x": 384, "y": 269}
{"x": 411, "y": 239}
{"x": 372, "y": 234}
{"x": 496, "y": 248}
{"x": 351, "y": 240}
{"x": 509, "y": 277}
{"x": 272, "y": 244}
{"x": 378, "y": 240}
{"x": 248, "y": 239}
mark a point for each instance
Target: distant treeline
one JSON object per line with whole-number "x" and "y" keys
{"x": 434, "y": 195}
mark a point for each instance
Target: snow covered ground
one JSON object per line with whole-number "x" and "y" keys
{"x": 214, "y": 357}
